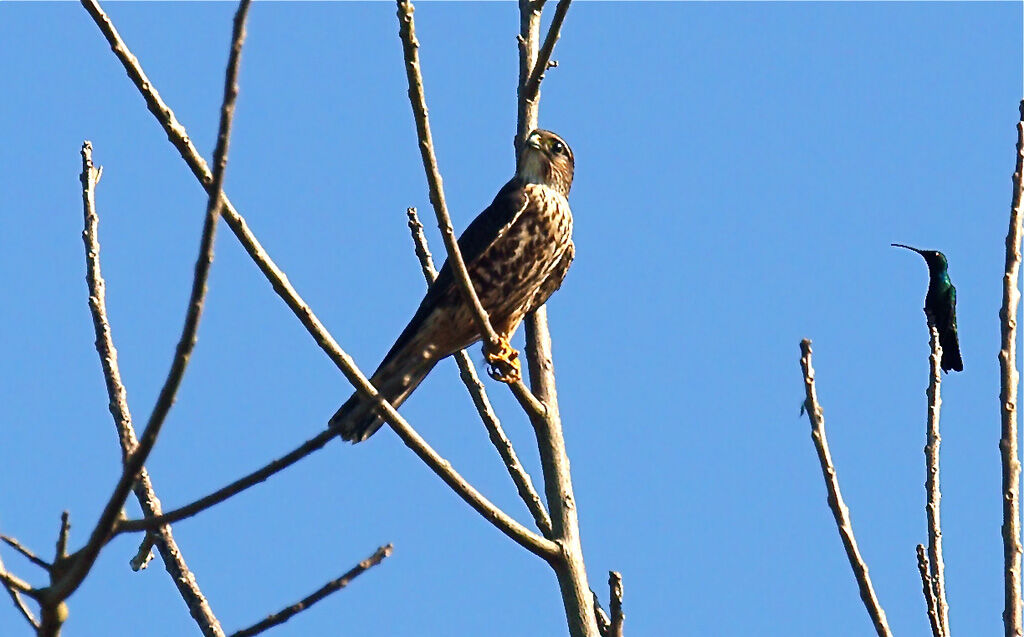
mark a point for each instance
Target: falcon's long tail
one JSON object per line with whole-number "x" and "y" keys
{"x": 395, "y": 379}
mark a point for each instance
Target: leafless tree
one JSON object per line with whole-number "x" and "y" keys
{"x": 930, "y": 561}
{"x": 556, "y": 539}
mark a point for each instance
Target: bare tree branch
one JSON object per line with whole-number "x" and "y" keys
{"x": 334, "y": 585}
{"x": 835, "y": 497}
{"x": 931, "y": 483}
{"x": 618, "y": 617}
{"x": 26, "y": 553}
{"x": 313, "y": 444}
{"x": 179, "y": 138}
{"x": 541, "y": 65}
{"x": 928, "y": 589}
{"x": 13, "y": 587}
{"x": 571, "y": 572}
{"x": 467, "y": 372}
{"x": 61, "y": 550}
{"x": 173, "y": 560}
{"x": 1009, "y": 375}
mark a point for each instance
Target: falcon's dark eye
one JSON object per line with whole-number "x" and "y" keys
{"x": 557, "y": 147}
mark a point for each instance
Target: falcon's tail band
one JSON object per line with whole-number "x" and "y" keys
{"x": 357, "y": 420}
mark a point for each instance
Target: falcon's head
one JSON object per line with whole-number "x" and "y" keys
{"x": 546, "y": 159}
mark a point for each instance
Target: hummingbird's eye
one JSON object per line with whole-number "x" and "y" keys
{"x": 557, "y": 147}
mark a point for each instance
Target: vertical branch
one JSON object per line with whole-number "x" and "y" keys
{"x": 1013, "y": 622}
{"x": 618, "y": 617}
{"x": 570, "y": 571}
{"x": 931, "y": 484}
{"x": 835, "y": 498}
{"x": 924, "y": 568}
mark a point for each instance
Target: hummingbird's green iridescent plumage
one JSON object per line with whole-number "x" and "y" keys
{"x": 940, "y": 306}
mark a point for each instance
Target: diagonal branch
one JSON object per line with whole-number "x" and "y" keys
{"x": 931, "y": 484}
{"x": 541, "y": 65}
{"x": 26, "y": 553}
{"x": 173, "y": 560}
{"x": 179, "y": 138}
{"x": 924, "y": 568}
{"x": 1009, "y": 375}
{"x": 148, "y": 523}
{"x": 285, "y": 614}
{"x": 524, "y": 485}
{"x": 835, "y": 497}
{"x": 14, "y": 588}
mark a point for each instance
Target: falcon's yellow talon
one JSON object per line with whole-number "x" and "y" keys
{"x": 503, "y": 364}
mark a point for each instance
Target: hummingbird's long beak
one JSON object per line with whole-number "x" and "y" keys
{"x": 900, "y": 245}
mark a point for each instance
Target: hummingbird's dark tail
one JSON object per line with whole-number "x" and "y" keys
{"x": 395, "y": 379}
{"x": 950, "y": 351}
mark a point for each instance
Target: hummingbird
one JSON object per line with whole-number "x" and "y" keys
{"x": 940, "y": 306}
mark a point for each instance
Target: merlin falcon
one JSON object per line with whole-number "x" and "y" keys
{"x": 517, "y": 252}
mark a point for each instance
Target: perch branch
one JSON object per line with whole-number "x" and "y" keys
{"x": 1009, "y": 375}
{"x": 931, "y": 483}
{"x": 524, "y": 485}
{"x": 835, "y": 497}
{"x": 285, "y": 614}
{"x": 929, "y": 591}
{"x": 179, "y": 138}
{"x": 570, "y": 571}
{"x": 173, "y": 560}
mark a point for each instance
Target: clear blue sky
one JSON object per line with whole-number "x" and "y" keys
{"x": 741, "y": 171}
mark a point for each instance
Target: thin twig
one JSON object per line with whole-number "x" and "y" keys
{"x": 928, "y": 590}
{"x": 618, "y": 617}
{"x": 145, "y": 552}
{"x": 835, "y": 497}
{"x": 1009, "y": 375}
{"x": 61, "y": 550}
{"x": 334, "y": 585}
{"x": 218, "y": 496}
{"x": 931, "y": 483}
{"x": 467, "y": 372}
{"x": 174, "y": 561}
{"x": 570, "y": 571}
{"x": 15, "y": 594}
{"x": 178, "y": 136}
{"x": 543, "y": 60}
{"x": 26, "y": 553}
